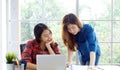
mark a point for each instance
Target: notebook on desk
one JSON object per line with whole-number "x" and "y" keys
{"x": 80, "y": 67}
{"x": 77, "y": 67}
{"x": 51, "y": 62}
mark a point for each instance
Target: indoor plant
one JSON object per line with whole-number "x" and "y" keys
{"x": 10, "y": 58}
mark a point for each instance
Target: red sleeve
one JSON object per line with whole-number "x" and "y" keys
{"x": 56, "y": 49}
{"x": 26, "y": 55}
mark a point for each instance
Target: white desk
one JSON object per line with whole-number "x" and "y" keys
{"x": 101, "y": 67}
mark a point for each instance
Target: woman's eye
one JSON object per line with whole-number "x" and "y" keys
{"x": 46, "y": 35}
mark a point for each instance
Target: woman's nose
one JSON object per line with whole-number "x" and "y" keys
{"x": 49, "y": 37}
{"x": 71, "y": 31}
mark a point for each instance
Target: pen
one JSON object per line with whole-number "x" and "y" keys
{"x": 17, "y": 61}
{"x": 18, "y": 64}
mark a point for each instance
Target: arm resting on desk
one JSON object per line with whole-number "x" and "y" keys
{"x": 31, "y": 66}
{"x": 92, "y": 58}
{"x": 70, "y": 54}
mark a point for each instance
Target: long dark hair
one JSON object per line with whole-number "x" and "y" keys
{"x": 38, "y": 30}
{"x": 68, "y": 38}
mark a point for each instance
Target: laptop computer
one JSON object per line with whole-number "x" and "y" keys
{"x": 51, "y": 62}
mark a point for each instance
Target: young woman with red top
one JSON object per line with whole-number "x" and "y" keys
{"x": 42, "y": 44}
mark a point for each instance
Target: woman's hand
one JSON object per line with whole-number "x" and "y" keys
{"x": 91, "y": 67}
{"x": 49, "y": 47}
{"x": 68, "y": 64}
{"x": 48, "y": 43}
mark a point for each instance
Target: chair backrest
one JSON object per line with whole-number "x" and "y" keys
{"x": 22, "y": 47}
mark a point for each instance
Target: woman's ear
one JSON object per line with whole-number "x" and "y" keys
{"x": 40, "y": 39}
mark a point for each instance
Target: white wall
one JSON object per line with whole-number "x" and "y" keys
{"x": 9, "y": 32}
{"x": 0, "y": 34}
{"x": 3, "y": 40}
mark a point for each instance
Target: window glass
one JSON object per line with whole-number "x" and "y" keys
{"x": 58, "y": 8}
{"x": 116, "y": 31}
{"x": 95, "y": 9}
{"x": 105, "y": 53}
{"x": 98, "y": 13}
{"x": 116, "y": 53}
{"x": 116, "y": 9}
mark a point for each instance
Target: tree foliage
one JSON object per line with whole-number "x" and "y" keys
{"x": 51, "y": 13}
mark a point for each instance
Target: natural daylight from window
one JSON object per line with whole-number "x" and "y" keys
{"x": 103, "y": 15}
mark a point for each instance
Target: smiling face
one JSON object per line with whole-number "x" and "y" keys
{"x": 73, "y": 29}
{"x": 46, "y": 36}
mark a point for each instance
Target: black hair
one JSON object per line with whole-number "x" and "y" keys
{"x": 38, "y": 29}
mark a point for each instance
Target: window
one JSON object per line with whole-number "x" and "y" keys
{"x": 102, "y": 14}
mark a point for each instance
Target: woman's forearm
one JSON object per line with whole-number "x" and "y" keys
{"x": 50, "y": 50}
{"x": 31, "y": 66}
{"x": 70, "y": 54}
{"x": 92, "y": 58}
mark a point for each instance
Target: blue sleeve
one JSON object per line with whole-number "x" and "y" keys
{"x": 91, "y": 37}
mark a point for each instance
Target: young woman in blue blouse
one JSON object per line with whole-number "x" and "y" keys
{"x": 82, "y": 38}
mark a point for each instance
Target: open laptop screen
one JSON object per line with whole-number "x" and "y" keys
{"x": 51, "y": 62}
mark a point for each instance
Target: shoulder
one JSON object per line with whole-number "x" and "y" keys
{"x": 88, "y": 28}
{"x": 30, "y": 43}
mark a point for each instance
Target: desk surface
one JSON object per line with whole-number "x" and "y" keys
{"x": 101, "y": 67}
